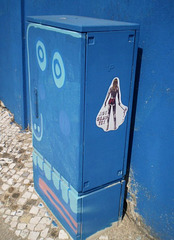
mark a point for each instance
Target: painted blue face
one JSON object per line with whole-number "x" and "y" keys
{"x": 37, "y": 127}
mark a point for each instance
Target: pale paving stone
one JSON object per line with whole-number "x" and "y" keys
{"x": 10, "y": 181}
{"x": 17, "y": 232}
{"x": 5, "y": 186}
{"x": 21, "y": 226}
{"x": 13, "y": 213}
{"x": 33, "y": 235}
{"x": 47, "y": 214}
{"x": 9, "y": 160}
{"x": 27, "y": 195}
{"x": 19, "y": 212}
{"x": 21, "y": 172}
{"x": 16, "y": 177}
{"x": 4, "y": 216}
{"x": 25, "y": 174}
{"x": 28, "y": 153}
{"x": 30, "y": 170}
{"x": 30, "y": 177}
{"x": 35, "y": 220}
{"x": 46, "y": 220}
{"x": 34, "y": 196}
{"x": 15, "y": 218}
{"x": 29, "y": 164}
{"x": 42, "y": 212}
{"x": 8, "y": 211}
{"x": 4, "y": 170}
{"x": 24, "y": 233}
{"x": 12, "y": 171}
{"x": 7, "y": 220}
{"x": 12, "y": 165}
{"x": 4, "y": 179}
{"x": 63, "y": 234}
{"x": 17, "y": 185}
{"x": 102, "y": 237}
{"x": 25, "y": 218}
{"x": 44, "y": 233}
{"x": 13, "y": 224}
{"x": 20, "y": 179}
{"x": 34, "y": 210}
{"x": 25, "y": 169}
{"x": 30, "y": 189}
{"x": 40, "y": 227}
{"x": 22, "y": 201}
{"x": 18, "y": 155}
{"x": 31, "y": 226}
{"x": 2, "y": 210}
{"x": 26, "y": 181}
{"x": 8, "y": 174}
{"x": 21, "y": 188}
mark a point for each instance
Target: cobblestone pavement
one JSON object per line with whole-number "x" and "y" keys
{"x": 21, "y": 210}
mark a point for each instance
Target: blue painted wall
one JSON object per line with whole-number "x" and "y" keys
{"x": 11, "y": 68}
{"x": 152, "y": 153}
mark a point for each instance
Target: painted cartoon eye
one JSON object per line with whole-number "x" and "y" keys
{"x": 41, "y": 55}
{"x": 58, "y": 70}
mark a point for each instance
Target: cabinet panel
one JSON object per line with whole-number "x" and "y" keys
{"x": 109, "y": 59}
{"x": 100, "y": 209}
{"x": 56, "y": 68}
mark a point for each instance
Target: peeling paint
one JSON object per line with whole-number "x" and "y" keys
{"x": 133, "y": 189}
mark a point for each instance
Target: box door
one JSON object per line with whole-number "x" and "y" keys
{"x": 56, "y": 67}
{"x": 109, "y": 60}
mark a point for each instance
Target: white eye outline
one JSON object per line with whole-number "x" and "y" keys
{"x": 58, "y": 70}
{"x": 41, "y": 55}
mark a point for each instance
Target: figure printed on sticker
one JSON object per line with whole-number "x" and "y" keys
{"x": 112, "y": 113}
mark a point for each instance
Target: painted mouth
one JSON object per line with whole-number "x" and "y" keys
{"x": 58, "y": 205}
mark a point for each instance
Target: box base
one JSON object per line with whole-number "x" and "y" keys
{"x": 81, "y": 215}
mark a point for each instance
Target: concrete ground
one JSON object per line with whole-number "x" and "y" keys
{"x": 23, "y": 215}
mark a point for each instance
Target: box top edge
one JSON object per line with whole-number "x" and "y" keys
{"x": 81, "y": 24}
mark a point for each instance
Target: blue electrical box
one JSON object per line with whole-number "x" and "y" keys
{"x": 81, "y": 79}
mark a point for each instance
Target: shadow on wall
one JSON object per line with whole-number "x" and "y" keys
{"x": 135, "y": 96}
{"x": 134, "y": 105}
